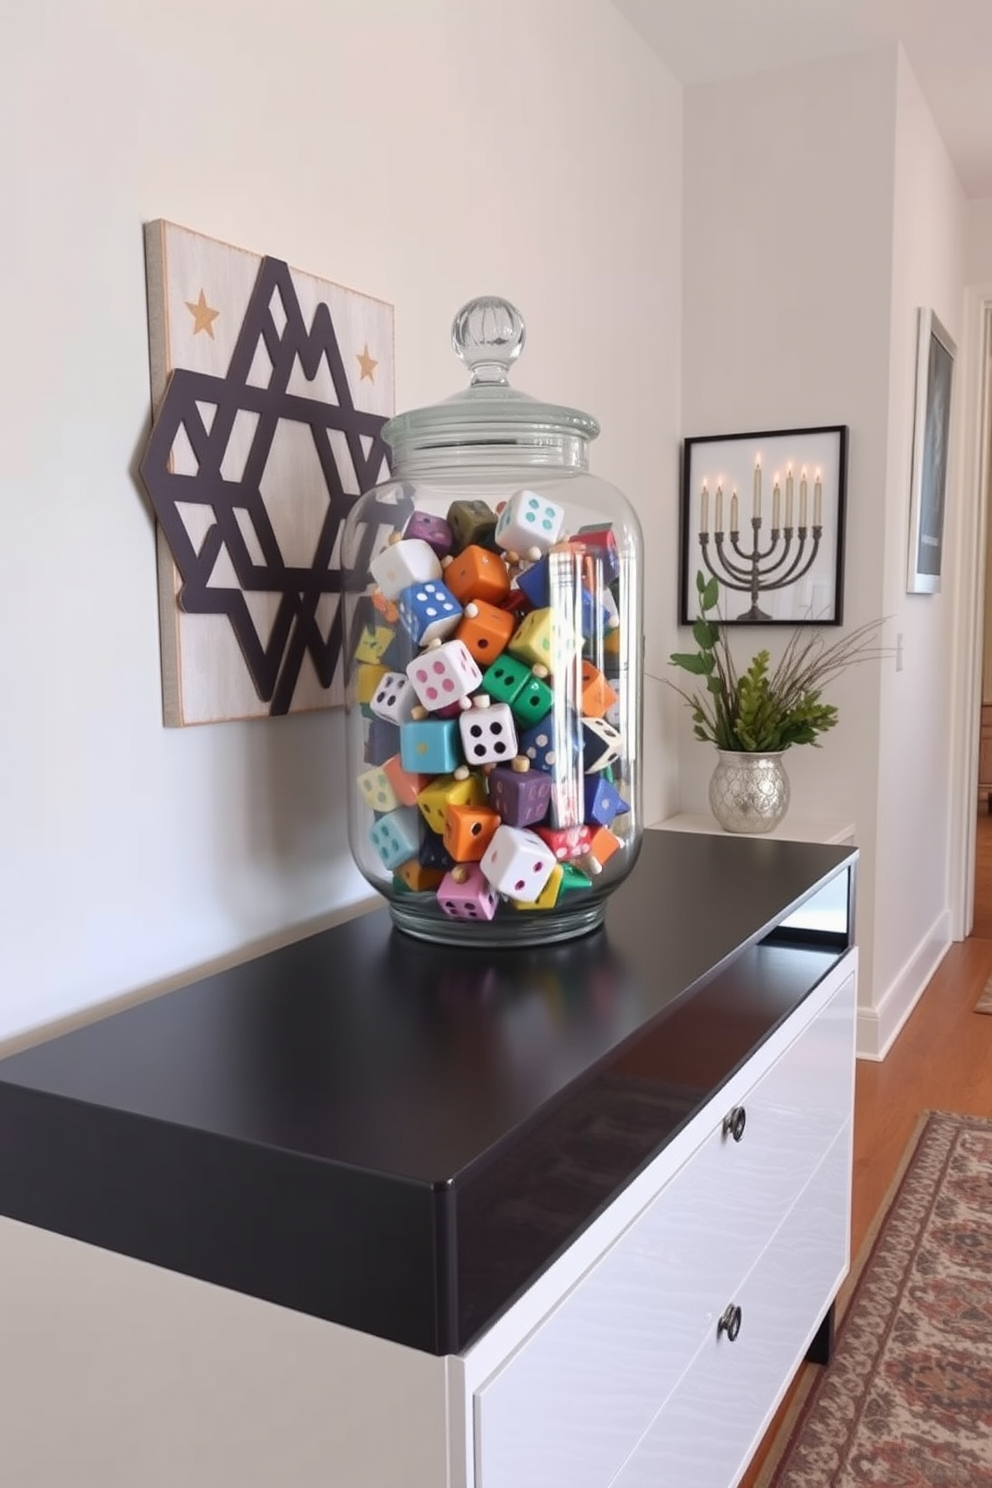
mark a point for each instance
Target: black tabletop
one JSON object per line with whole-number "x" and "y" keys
{"x": 368, "y": 1097}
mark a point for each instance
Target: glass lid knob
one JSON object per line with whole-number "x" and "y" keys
{"x": 488, "y": 334}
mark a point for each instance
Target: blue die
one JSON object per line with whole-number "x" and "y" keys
{"x": 382, "y": 741}
{"x": 602, "y": 800}
{"x": 429, "y": 611}
{"x": 396, "y": 836}
{"x": 552, "y": 744}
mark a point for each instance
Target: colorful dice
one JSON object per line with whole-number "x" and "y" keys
{"x": 529, "y": 524}
{"x": 444, "y": 674}
{"x": 489, "y": 736}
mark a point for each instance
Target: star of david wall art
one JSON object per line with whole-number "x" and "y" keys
{"x": 270, "y": 388}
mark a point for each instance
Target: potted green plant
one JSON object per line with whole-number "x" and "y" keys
{"x": 753, "y": 715}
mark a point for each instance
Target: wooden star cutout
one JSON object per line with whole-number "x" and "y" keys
{"x": 367, "y": 363}
{"x": 203, "y": 316}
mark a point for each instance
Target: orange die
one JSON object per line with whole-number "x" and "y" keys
{"x": 419, "y": 878}
{"x": 603, "y": 845}
{"x": 485, "y": 630}
{"x": 468, "y": 831}
{"x": 597, "y": 694}
{"x": 406, "y": 785}
{"x": 477, "y": 574}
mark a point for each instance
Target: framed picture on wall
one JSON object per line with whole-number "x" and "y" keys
{"x": 935, "y": 354}
{"x": 763, "y": 514}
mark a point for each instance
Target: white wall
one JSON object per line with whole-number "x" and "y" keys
{"x": 978, "y": 262}
{"x": 915, "y": 796}
{"x": 787, "y": 249}
{"x": 420, "y": 153}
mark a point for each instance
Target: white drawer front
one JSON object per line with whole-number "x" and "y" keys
{"x": 709, "y": 1429}
{"x": 570, "y": 1405}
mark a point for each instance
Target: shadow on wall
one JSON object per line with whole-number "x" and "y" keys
{"x": 281, "y": 826}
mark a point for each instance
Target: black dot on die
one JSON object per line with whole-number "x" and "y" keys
{"x": 476, "y": 828}
{"x": 496, "y": 728}
{"x": 476, "y": 730}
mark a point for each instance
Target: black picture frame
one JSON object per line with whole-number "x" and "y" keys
{"x": 935, "y": 357}
{"x": 716, "y": 468}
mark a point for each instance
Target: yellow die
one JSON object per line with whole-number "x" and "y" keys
{"x": 367, "y": 679}
{"x": 374, "y": 642}
{"x": 542, "y": 640}
{"x": 548, "y": 897}
{"x": 445, "y": 791}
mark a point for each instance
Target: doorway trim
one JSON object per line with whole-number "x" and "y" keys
{"x": 966, "y": 699}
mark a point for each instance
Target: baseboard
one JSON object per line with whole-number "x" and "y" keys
{"x": 879, "y": 1025}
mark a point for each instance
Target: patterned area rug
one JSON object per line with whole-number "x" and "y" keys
{"x": 906, "y": 1401}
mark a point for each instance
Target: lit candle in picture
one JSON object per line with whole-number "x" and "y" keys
{"x": 802, "y": 498}
{"x": 776, "y": 503}
{"x": 734, "y": 523}
{"x": 719, "y": 510}
{"x": 788, "y": 498}
{"x": 757, "y": 488}
{"x": 704, "y": 511}
{"x": 817, "y": 500}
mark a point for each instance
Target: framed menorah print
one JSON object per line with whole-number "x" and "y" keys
{"x": 763, "y": 514}
{"x": 935, "y": 355}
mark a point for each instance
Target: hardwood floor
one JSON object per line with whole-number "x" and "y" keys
{"x": 941, "y": 1061}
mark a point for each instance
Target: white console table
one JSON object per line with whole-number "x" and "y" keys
{"x": 383, "y": 1214}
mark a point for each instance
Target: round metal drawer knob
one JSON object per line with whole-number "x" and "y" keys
{"x": 730, "y": 1323}
{"x": 734, "y": 1122}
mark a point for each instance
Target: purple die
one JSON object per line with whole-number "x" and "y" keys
{"x": 520, "y": 796}
{"x": 464, "y": 894}
{"x": 434, "y": 531}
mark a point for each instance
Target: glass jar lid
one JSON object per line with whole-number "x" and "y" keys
{"x": 488, "y": 334}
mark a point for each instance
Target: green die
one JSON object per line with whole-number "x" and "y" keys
{"x": 532, "y": 702}
{"x": 504, "y": 679}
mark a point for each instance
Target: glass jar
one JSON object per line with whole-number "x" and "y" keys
{"x": 492, "y": 621}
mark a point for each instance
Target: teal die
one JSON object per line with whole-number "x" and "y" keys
{"x": 430, "y": 746}
{"x": 396, "y": 836}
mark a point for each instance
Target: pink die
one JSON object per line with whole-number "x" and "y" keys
{"x": 517, "y": 863}
{"x": 444, "y": 674}
{"x": 464, "y": 894}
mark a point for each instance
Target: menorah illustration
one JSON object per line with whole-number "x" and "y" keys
{"x": 790, "y": 551}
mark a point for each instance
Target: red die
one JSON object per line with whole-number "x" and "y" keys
{"x": 567, "y": 842}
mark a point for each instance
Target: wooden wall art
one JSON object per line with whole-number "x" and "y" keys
{"x": 270, "y": 388}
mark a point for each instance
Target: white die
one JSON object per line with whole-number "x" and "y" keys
{"x": 517, "y": 863}
{"x": 489, "y": 735}
{"x": 444, "y": 674}
{"x": 394, "y": 699}
{"x": 400, "y": 564}
{"x": 601, "y": 744}
{"x": 529, "y": 521}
